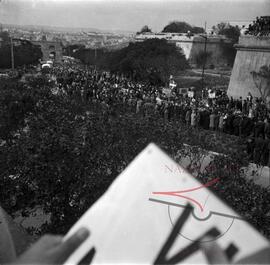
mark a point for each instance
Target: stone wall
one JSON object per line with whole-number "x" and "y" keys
{"x": 192, "y": 45}
{"x": 252, "y": 53}
{"x": 214, "y": 46}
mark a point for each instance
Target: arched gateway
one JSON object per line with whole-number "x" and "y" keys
{"x": 51, "y": 50}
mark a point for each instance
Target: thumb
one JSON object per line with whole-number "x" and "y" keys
{"x": 71, "y": 244}
{"x": 213, "y": 253}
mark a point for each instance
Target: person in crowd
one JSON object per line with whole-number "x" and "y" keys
{"x": 249, "y": 97}
{"x": 188, "y": 116}
{"x": 251, "y": 113}
{"x": 193, "y": 118}
{"x": 205, "y": 119}
{"x": 236, "y": 124}
{"x": 247, "y": 126}
{"x": 170, "y": 111}
{"x": 197, "y": 120}
{"x": 212, "y": 121}
{"x": 250, "y": 148}
{"x": 221, "y": 122}
{"x": 259, "y": 128}
{"x": 166, "y": 114}
{"x": 239, "y": 104}
{"x": 245, "y": 107}
{"x": 139, "y": 105}
{"x": 216, "y": 121}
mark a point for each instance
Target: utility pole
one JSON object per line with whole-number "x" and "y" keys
{"x": 205, "y": 57}
{"x": 12, "y": 53}
{"x": 95, "y": 58}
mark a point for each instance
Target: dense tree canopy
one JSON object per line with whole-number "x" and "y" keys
{"x": 182, "y": 27}
{"x": 15, "y": 103}
{"x": 231, "y": 32}
{"x": 153, "y": 60}
{"x": 24, "y": 54}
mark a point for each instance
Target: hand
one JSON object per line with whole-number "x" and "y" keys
{"x": 51, "y": 249}
{"x": 215, "y": 255}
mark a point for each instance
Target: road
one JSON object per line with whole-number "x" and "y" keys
{"x": 211, "y": 74}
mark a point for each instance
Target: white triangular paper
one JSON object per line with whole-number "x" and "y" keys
{"x": 129, "y": 224}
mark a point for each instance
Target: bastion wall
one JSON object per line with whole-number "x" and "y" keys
{"x": 252, "y": 53}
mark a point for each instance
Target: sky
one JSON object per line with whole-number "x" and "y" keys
{"x": 129, "y": 15}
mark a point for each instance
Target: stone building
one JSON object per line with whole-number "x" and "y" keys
{"x": 51, "y": 50}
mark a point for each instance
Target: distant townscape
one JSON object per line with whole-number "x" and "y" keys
{"x": 92, "y": 38}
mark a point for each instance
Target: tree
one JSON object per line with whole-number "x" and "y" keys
{"x": 262, "y": 81}
{"x": 144, "y": 29}
{"x": 219, "y": 27}
{"x": 16, "y": 102}
{"x": 148, "y": 59}
{"x": 24, "y": 54}
{"x": 153, "y": 60}
{"x": 197, "y": 30}
{"x": 182, "y": 27}
{"x": 231, "y": 32}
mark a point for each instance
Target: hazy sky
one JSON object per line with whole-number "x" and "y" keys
{"x": 128, "y": 14}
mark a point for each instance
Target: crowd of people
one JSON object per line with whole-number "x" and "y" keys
{"x": 259, "y": 27}
{"x": 248, "y": 118}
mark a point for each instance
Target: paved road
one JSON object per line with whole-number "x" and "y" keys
{"x": 211, "y": 74}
